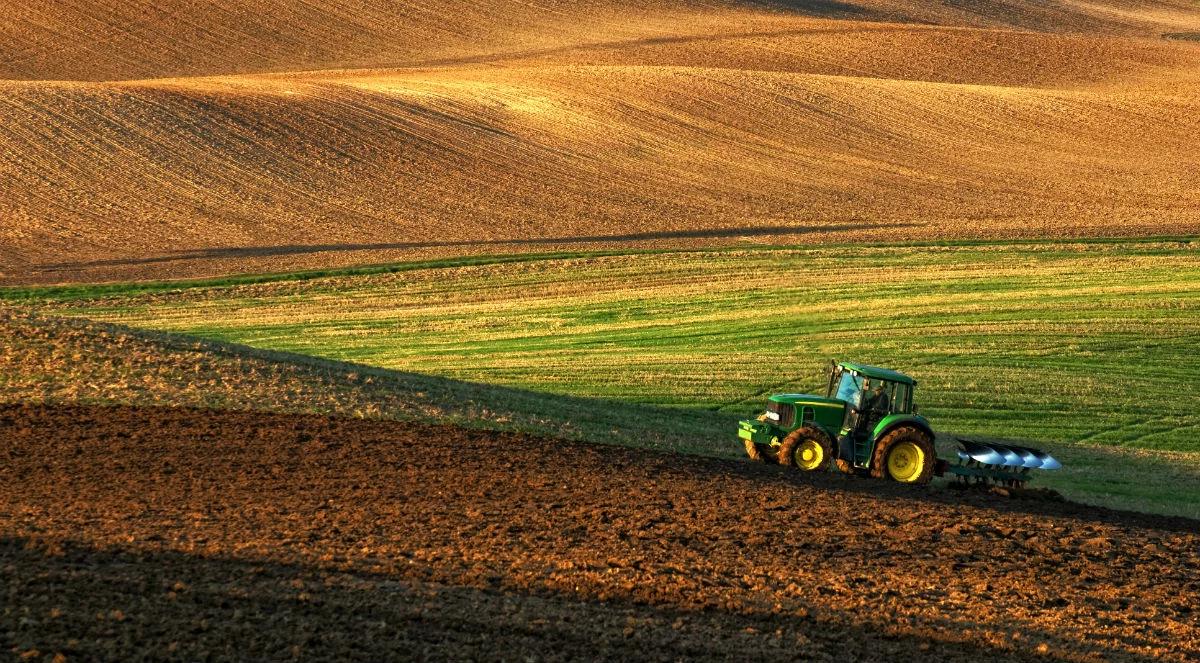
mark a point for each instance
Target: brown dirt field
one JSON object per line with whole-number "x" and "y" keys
{"x": 166, "y": 533}
{"x": 161, "y": 140}
{"x": 97, "y": 40}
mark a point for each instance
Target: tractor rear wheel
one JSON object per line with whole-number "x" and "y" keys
{"x": 905, "y": 455}
{"x": 807, "y": 449}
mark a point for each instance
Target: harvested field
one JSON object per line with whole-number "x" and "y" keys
{"x": 195, "y": 534}
{"x": 1048, "y": 342}
{"x": 71, "y": 361}
{"x": 173, "y": 141}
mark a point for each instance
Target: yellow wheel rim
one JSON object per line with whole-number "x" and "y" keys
{"x": 809, "y": 455}
{"x": 905, "y": 462}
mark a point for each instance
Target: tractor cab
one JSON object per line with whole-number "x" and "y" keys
{"x": 870, "y": 394}
{"x": 854, "y": 384}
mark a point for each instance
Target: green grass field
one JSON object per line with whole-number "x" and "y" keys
{"x": 1091, "y": 350}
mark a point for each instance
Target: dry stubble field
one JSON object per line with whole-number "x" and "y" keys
{"x": 165, "y": 139}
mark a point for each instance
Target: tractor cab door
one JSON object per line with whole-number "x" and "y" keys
{"x": 868, "y": 401}
{"x": 850, "y": 388}
{"x": 879, "y": 399}
{"x": 901, "y": 399}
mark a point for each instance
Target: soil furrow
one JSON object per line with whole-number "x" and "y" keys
{"x": 500, "y": 545}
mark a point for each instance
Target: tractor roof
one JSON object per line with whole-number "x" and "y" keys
{"x": 878, "y": 373}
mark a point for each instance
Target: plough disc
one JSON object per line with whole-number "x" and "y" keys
{"x": 1003, "y": 463}
{"x": 1004, "y": 455}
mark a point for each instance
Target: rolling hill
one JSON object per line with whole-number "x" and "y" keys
{"x": 174, "y": 139}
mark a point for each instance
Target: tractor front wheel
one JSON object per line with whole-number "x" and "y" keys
{"x": 905, "y": 455}
{"x": 759, "y": 453}
{"x": 807, "y": 449}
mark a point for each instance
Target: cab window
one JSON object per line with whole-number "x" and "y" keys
{"x": 900, "y": 399}
{"x": 849, "y": 388}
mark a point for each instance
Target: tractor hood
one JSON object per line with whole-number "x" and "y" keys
{"x": 795, "y": 410}
{"x": 806, "y": 399}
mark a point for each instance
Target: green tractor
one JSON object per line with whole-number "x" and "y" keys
{"x": 866, "y": 423}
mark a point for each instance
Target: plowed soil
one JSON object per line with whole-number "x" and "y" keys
{"x": 174, "y": 139}
{"x": 131, "y": 533}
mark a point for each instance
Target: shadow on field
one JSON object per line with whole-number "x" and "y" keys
{"x": 941, "y": 493}
{"x": 91, "y": 603}
{"x": 818, "y": 8}
{"x": 1011, "y": 13}
{"x": 219, "y": 378}
{"x": 305, "y": 249}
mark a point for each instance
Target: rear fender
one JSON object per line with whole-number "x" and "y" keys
{"x": 833, "y": 434}
{"x": 894, "y": 421}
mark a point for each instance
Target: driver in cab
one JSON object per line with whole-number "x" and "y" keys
{"x": 876, "y": 402}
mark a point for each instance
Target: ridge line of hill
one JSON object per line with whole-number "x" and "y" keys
{"x": 522, "y": 59}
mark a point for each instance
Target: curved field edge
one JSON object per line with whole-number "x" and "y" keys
{"x": 60, "y": 361}
{"x": 64, "y": 360}
{"x": 37, "y": 294}
{"x": 1061, "y": 343}
{"x": 583, "y": 339}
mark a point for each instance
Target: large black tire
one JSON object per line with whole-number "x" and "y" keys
{"x": 898, "y": 438}
{"x": 791, "y": 443}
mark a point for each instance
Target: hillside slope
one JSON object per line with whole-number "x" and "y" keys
{"x": 260, "y": 136}
{"x": 123, "y": 39}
